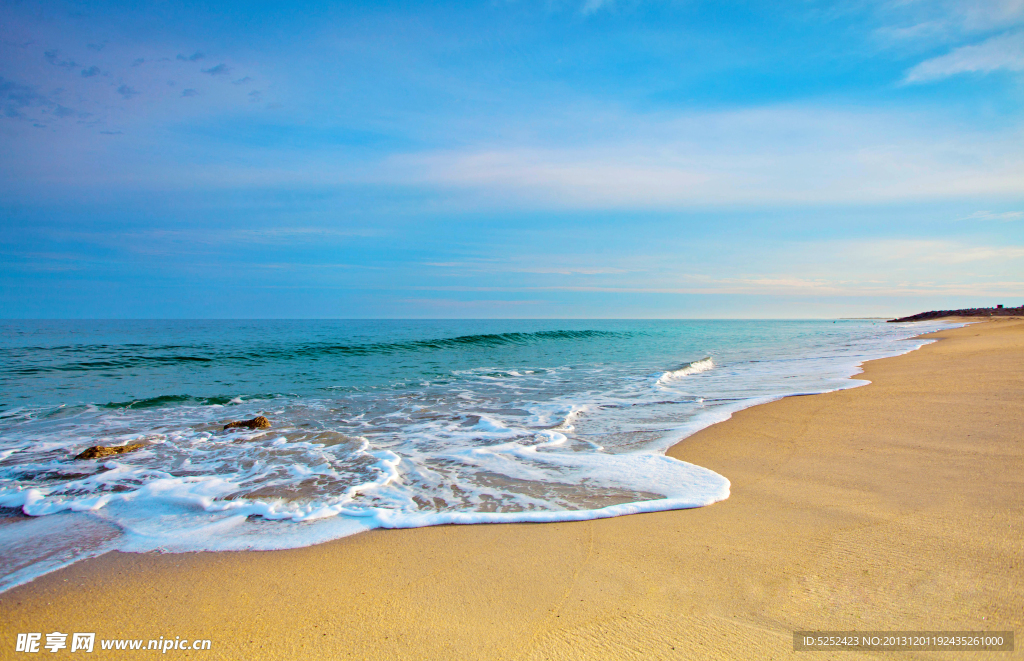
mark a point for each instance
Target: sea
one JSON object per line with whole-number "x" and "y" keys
{"x": 375, "y": 423}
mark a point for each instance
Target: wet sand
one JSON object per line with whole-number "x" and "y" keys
{"x": 896, "y": 506}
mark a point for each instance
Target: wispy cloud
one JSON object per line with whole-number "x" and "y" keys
{"x": 945, "y": 21}
{"x": 779, "y": 286}
{"x": 476, "y": 303}
{"x": 16, "y": 97}
{"x": 767, "y": 155}
{"x": 182, "y": 239}
{"x": 591, "y": 6}
{"x": 1002, "y": 52}
{"x": 496, "y": 266}
{"x": 880, "y": 267}
{"x": 1000, "y": 215}
{"x": 54, "y": 58}
{"x": 774, "y": 156}
{"x": 986, "y": 14}
{"x": 941, "y": 253}
{"x": 83, "y": 77}
{"x": 219, "y": 70}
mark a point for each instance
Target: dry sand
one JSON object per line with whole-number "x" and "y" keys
{"x": 899, "y": 505}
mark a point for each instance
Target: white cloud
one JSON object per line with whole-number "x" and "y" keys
{"x": 989, "y": 215}
{"x": 979, "y": 15}
{"x": 1002, "y": 52}
{"x": 459, "y": 303}
{"x": 590, "y": 6}
{"x": 880, "y": 267}
{"x": 761, "y": 156}
{"x": 941, "y": 252}
{"x": 988, "y": 14}
{"x": 779, "y": 286}
{"x": 589, "y": 160}
{"x": 496, "y": 266}
{"x": 945, "y": 21}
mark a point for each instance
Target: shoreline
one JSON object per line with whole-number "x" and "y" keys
{"x": 845, "y": 377}
{"x": 668, "y": 484}
{"x": 713, "y": 578}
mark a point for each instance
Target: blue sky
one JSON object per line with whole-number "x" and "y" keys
{"x": 615, "y": 158}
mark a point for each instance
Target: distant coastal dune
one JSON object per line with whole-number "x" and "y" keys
{"x": 998, "y": 311}
{"x": 895, "y": 506}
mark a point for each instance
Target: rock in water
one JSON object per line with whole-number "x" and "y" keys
{"x": 98, "y": 451}
{"x": 259, "y": 422}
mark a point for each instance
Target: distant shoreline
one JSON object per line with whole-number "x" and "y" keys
{"x": 998, "y": 311}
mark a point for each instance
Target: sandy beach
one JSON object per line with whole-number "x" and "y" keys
{"x": 895, "y": 506}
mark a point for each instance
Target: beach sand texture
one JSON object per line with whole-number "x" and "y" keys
{"x": 897, "y": 506}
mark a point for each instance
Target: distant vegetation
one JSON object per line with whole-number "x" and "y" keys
{"x": 998, "y": 311}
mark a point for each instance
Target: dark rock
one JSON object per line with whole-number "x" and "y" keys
{"x": 99, "y": 451}
{"x": 259, "y": 422}
{"x": 999, "y": 311}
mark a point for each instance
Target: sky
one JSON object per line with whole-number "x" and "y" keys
{"x": 510, "y": 158}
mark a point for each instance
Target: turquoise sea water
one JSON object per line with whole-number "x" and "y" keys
{"x": 375, "y": 423}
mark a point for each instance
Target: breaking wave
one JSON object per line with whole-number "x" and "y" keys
{"x": 696, "y": 367}
{"x": 126, "y": 356}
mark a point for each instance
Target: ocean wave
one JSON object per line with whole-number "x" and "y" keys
{"x": 123, "y": 356}
{"x": 171, "y": 400}
{"x": 111, "y": 363}
{"x": 486, "y": 340}
{"x": 696, "y": 367}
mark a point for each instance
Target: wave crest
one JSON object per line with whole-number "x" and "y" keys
{"x": 125, "y": 356}
{"x": 486, "y": 340}
{"x": 696, "y": 367}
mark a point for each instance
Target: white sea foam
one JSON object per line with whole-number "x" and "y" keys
{"x": 575, "y": 412}
{"x": 696, "y": 367}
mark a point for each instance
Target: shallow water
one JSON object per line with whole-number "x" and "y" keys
{"x": 375, "y": 423}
